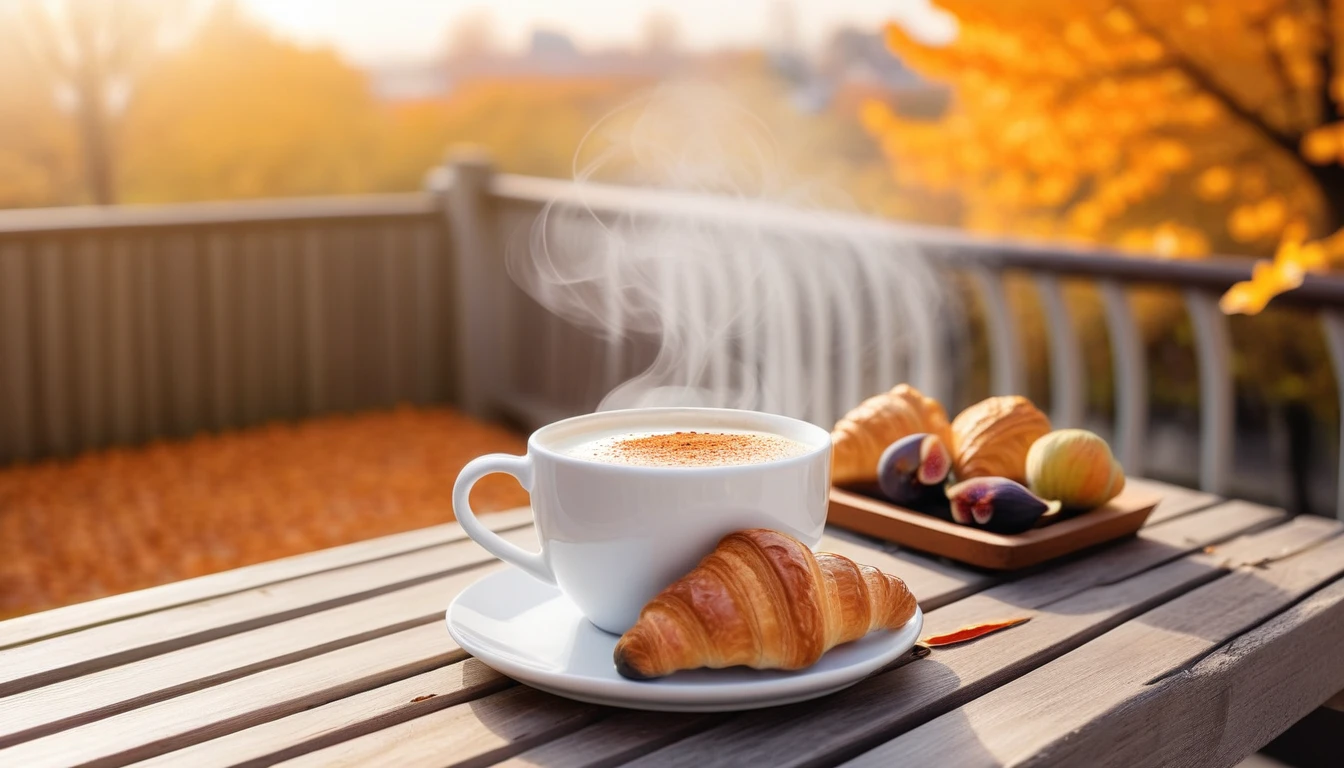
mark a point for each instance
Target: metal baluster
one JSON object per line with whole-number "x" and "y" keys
{"x": 720, "y": 305}
{"x": 314, "y": 274}
{"x": 773, "y": 367}
{"x": 919, "y": 326}
{"x": 613, "y": 351}
{"x": 181, "y": 333}
{"x": 1332, "y": 322}
{"x": 1213, "y": 348}
{"x": 789, "y": 314}
{"x": 53, "y": 362}
{"x": 89, "y": 311}
{"x": 880, "y": 281}
{"x": 1066, "y": 360}
{"x": 746, "y": 332}
{"x": 1131, "y": 376}
{"x": 691, "y": 322}
{"x": 819, "y": 367}
{"x": 17, "y": 431}
{"x": 854, "y": 342}
{"x": 1006, "y": 376}
{"x": 123, "y": 391}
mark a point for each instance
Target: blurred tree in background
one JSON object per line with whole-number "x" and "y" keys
{"x": 173, "y": 100}
{"x": 238, "y": 112}
{"x": 1176, "y": 128}
{"x": 89, "y": 57}
{"x": 39, "y": 154}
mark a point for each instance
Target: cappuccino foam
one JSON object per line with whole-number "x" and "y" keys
{"x": 688, "y": 449}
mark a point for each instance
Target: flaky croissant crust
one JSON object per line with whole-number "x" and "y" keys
{"x": 761, "y": 599}
{"x": 992, "y": 438}
{"x": 862, "y": 434}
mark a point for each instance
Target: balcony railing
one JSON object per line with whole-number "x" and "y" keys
{"x": 123, "y": 325}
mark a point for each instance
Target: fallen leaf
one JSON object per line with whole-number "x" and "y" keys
{"x": 972, "y": 632}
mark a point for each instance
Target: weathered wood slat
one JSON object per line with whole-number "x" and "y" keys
{"x": 1096, "y": 599}
{"x": 102, "y": 647}
{"x": 1228, "y": 705}
{"x": 1035, "y": 716}
{"x": 933, "y": 582}
{"x": 1152, "y": 546}
{"x": 341, "y": 720}
{"x": 477, "y": 733}
{"x": 26, "y": 629}
{"x": 1176, "y": 501}
{"x": 238, "y": 704}
{"x": 73, "y": 702}
{"x": 613, "y": 740}
{"x": 18, "y": 438}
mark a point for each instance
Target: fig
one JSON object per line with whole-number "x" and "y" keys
{"x": 912, "y": 470}
{"x": 1075, "y": 467}
{"x": 997, "y": 504}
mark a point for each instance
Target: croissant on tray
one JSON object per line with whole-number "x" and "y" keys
{"x": 860, "y": 437}
{"x": 992, "y": 437}
{"x": 761, "y": 599}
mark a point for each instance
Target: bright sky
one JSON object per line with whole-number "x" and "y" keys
{"x": 383, "y": 30}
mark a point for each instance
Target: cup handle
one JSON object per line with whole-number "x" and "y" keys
{"x": 521, "y": 468}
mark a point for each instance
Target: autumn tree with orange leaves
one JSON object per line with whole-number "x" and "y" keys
{"x": 1175, "y": 128}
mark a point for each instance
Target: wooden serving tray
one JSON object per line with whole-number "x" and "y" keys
{"x": 1123, "y": 516}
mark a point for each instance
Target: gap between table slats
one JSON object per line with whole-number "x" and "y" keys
{"x": 289, "y": 735}
{"x": 39, "y": 626}
{"x": 107, "y": 645}
{"x": 1286, "y": 666}
{"x": 69, "y": 703}
{"x": 1063, "y": 711}
{"x": 242, "y": 703}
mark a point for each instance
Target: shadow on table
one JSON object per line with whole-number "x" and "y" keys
{"x": 545, "y": 730}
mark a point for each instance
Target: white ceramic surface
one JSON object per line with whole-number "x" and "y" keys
{"x": 531, "y": 632}
{"x": 613, "y": 536}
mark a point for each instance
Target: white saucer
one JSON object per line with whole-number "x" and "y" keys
{"x": 529, "y": 631}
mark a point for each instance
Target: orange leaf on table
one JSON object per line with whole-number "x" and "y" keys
{"x": 972, "y": 632}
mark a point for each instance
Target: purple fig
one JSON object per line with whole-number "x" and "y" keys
{"x": 912, "y": 469}
{"x": 997, "y": 504}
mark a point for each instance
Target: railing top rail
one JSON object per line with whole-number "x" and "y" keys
{"x": 29, "y": 221}
{"x": 1214, "y": 274}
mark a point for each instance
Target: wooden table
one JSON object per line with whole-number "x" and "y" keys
{"x": 1194, "y": 643}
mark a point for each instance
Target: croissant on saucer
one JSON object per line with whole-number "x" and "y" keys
{"x": 865, "y": 432}
{"x": 761, "y": 599}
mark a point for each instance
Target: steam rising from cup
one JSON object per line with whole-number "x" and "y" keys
{"x": 755, "y": 296}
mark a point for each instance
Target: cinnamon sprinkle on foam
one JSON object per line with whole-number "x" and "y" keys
{"x": 691, "y": 449}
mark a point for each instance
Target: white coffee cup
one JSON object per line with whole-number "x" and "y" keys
{"x": 614, "y": 535}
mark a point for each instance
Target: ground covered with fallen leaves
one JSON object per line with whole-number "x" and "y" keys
{"x": 130, "y": 518}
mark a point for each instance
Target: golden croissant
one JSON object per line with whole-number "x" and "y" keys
{"x": 761, "y": 599}
{"x": 865, "y": 432}
{"x": 992, "y": 437}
